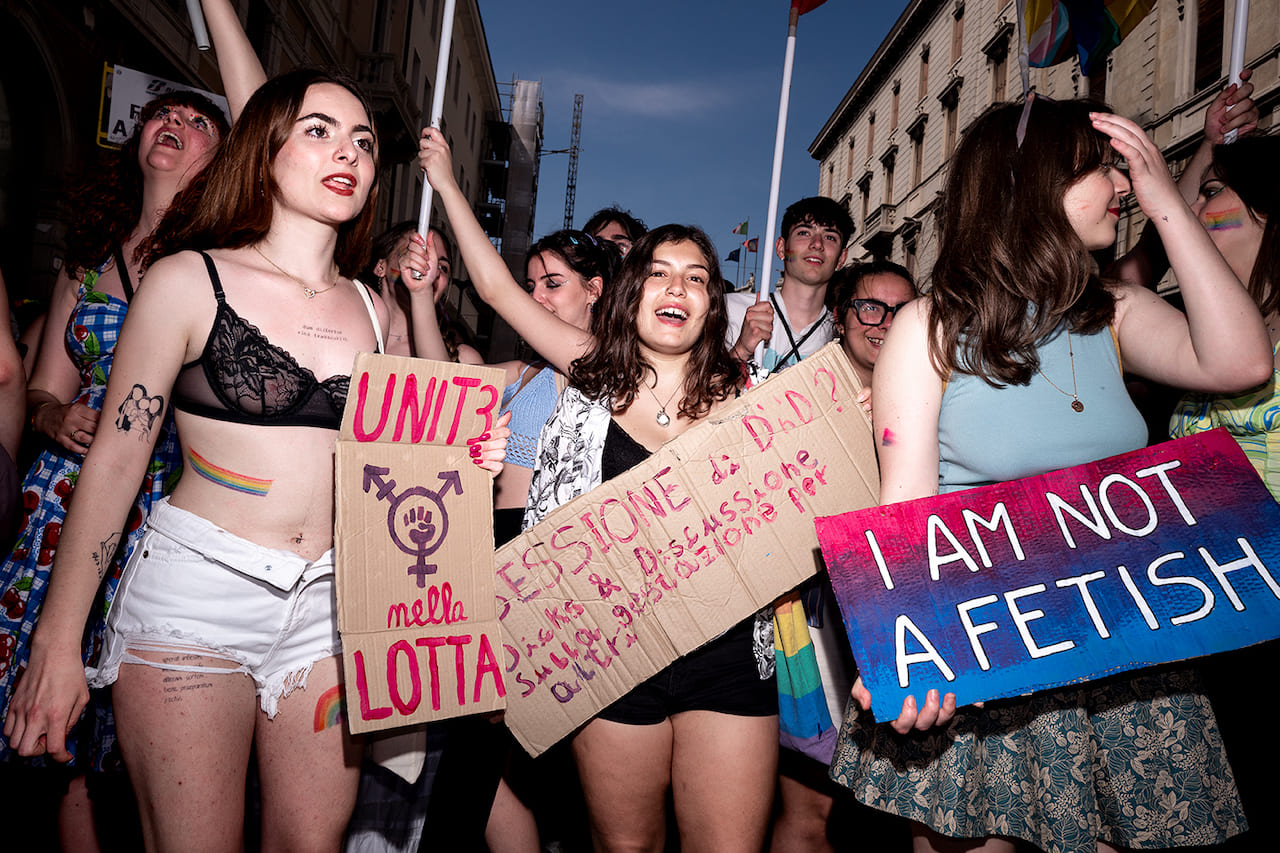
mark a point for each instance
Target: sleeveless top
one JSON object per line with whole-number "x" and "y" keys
{"x": 990, "y": 435}
{"x": 241, "y": 377}
{"x": 530, "y": 408}
{"x": 1252, "y": 418}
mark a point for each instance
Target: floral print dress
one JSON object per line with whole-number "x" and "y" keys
{"x": 91, "y": 335}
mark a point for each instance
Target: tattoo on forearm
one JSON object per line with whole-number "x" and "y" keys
{"x": 106, "y": 554}
{"x": 139, "y": 412}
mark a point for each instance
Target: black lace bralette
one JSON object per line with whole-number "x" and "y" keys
{"x": 241, "y": 377}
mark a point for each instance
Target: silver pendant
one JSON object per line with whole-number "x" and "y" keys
{"x": 663, "y": 418}
{"x": 310, "y": 294}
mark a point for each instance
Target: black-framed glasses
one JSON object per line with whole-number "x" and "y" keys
{"x": 873, "y": 312}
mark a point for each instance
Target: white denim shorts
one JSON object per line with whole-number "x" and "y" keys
{"x": 192, "y": 588}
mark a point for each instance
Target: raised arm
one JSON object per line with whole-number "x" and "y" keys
{"x": 239, "y": 66}
{"x": 152, "y": 348}
{"x": 1233, "y": 109}
{"x": 420, "y": 274}
{"x": 555, "y": 340}
{"x": 1220, "y": 344}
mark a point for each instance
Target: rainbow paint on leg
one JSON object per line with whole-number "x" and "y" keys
{"x": 331, "y": 708}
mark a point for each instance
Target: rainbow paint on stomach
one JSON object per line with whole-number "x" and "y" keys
{"x": 229, "y": 479}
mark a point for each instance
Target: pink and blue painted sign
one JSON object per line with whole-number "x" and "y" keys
{"x": 1163, "y": 554}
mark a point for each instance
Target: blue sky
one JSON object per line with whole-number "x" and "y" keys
{"x": 681, "y": 100}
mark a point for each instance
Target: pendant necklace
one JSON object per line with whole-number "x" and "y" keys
{"x": 1076, "y": 405}
{"x": 307, "y": 290}
{"x": 662, "y": 417}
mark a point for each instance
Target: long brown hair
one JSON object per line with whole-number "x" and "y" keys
{"x": 107, "y": 202}
{"x": 615, "y": 367}
{"x": 1251, "y": 167}
{"x": 1010, "y": 266}
{"x": 230, "y": 204}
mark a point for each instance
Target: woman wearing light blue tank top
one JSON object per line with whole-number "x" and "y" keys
{"x": 1009, "y": 367}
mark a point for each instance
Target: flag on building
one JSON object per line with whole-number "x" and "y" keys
{"x": 752, "y": 245}
{"x": 1054, "y": 30}
{"x": 742, "y": 228}
{"x": 733, "y": 256}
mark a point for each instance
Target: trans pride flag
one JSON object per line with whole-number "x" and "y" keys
{"x": 1052, "y": 30}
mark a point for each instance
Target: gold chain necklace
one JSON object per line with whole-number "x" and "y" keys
{"x": 662, "y": 417}
{"x": 1076, "y": 405}
{"x": 309, "y": 291}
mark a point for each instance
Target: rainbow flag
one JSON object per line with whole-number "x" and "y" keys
{"x": 804, "y": 722}
{"x": 1053, "y": 30}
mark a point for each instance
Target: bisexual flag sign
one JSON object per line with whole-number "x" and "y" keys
{"x": 1166, "y": 553}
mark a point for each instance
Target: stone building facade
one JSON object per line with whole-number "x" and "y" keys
{"x": 883, "y": 152}
{"x": 51, "y": 78}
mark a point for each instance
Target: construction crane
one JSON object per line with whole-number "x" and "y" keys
{"x": 571, "y": 185}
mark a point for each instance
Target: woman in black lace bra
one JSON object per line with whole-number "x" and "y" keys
{"x": 223, "y": 637}
{"x": 119, "y": 202}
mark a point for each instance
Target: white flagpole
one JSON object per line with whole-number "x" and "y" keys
{"x": 1239, "y": 29}
{"x": 196, "y": 11}
{"x": 775, "y": 181}
{"x": 437, "y": 106}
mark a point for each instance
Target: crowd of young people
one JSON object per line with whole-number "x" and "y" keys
{"x": 250, "y": 236}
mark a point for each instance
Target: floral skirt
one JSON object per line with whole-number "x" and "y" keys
{"x": 1136, "y": 761}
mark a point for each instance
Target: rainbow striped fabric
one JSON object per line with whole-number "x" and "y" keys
{"x": 1056, "y": 29}
{"x": 803, "y": 719}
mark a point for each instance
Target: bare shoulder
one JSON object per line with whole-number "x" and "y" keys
{"x": 177, "y": 285}
{"x": 468, "y": 354}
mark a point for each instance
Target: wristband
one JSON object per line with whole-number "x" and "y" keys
{"x": 31, "y": 418}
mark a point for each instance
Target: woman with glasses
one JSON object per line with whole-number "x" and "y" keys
{"x": 1008, "y": 368}
{"x": 868, "y": 297}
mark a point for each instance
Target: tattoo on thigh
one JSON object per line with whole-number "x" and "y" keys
{"x": 178, "y": 685}
{"x": 106, "y": 554}
{"x": 331, "y": 708}
{"x": 139, "y": 412}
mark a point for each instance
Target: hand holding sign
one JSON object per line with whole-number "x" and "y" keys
{"x": 1148, "y": 557}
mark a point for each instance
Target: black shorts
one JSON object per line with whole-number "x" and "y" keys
{"x": 721, "y": 676}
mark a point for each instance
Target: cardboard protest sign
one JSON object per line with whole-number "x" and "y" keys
{"x": 416, "y": 608}
{"x": 618, "y": 583}
{"x": 1149, "y": 557}
{"x": 130, "y": 92}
